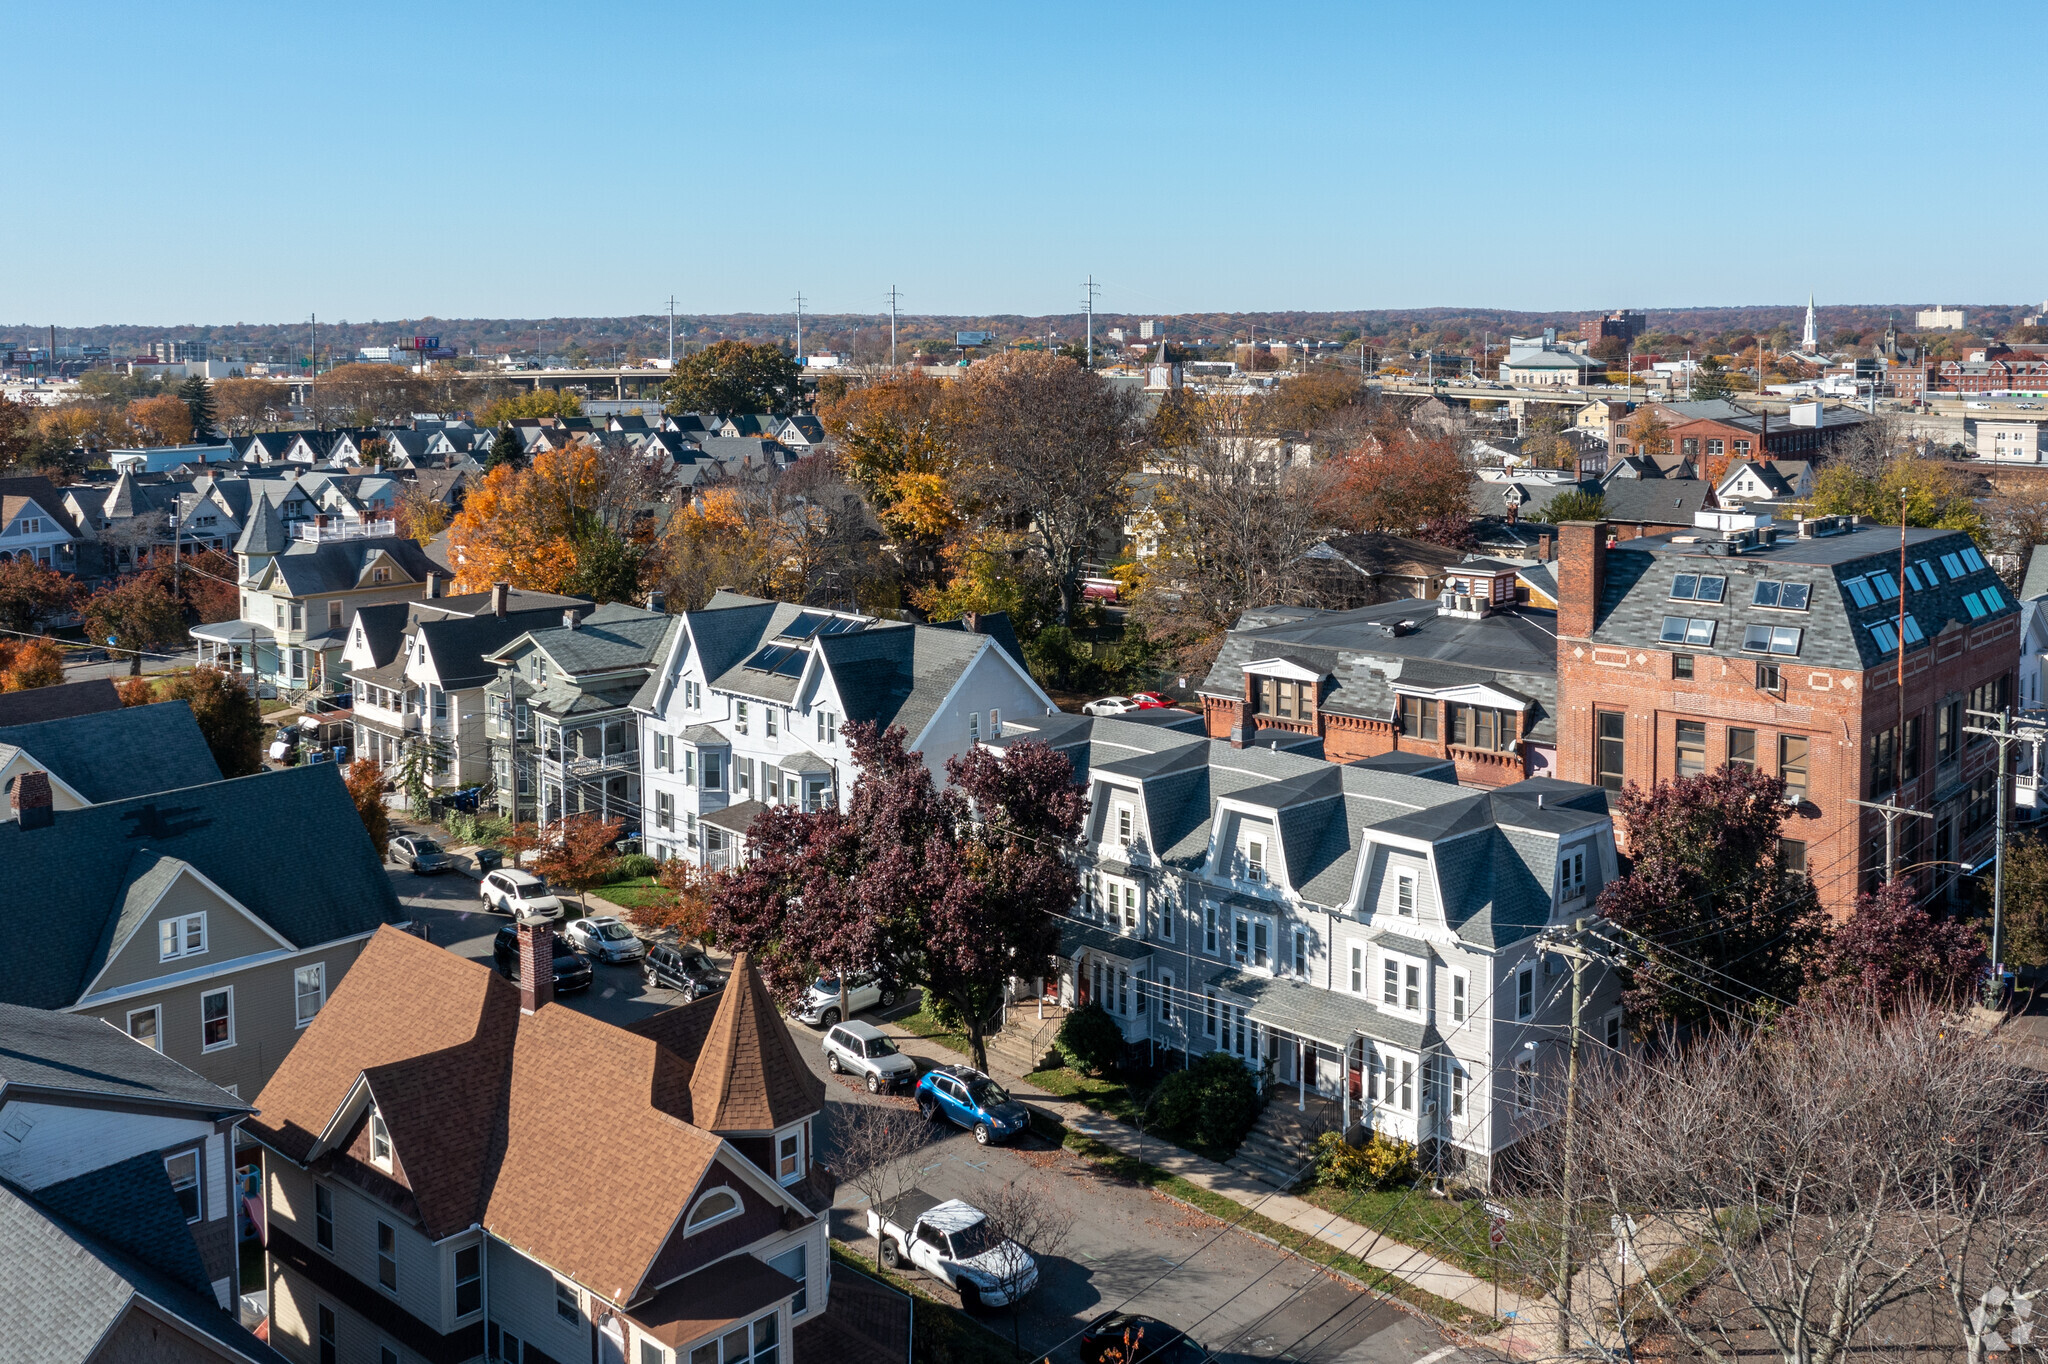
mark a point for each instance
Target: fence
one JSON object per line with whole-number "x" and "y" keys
{"x": 868, "y": 1322}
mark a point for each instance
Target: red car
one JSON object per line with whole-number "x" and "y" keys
{"x": 1151, "y": 700}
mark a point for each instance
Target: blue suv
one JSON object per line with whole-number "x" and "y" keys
{"x": 963, "y": 1095}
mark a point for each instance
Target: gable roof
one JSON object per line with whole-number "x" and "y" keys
{"x": 80, "y": 1054}
{"x": 312, "y": 566}
{"x": 286, "y": 844}
{"x": 472, "y": 1090}
{"x": 37, "y": 489}
{"x": 113, "y": 754}
{"x": 58, "y": 702}
{"x": 68, "y": 1287}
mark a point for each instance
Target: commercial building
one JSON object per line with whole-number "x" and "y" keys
{"x": 1778, "y": 646}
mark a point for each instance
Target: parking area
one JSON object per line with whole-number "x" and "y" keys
{"x": 1129, "y": 1248}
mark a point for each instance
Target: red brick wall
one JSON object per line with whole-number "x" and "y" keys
{"x": 1834, "y": 709}
{"x": 1347, "y": 738}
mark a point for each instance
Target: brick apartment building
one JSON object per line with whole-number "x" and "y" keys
{"x": 1777, "y": 646}
{"x": 1470, "y": 677}
{"x": 1809, "y": 431}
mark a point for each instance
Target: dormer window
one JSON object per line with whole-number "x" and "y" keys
{"x": 1404, "y": 896}
{"x": 1572, "y": 876}
{"x": 789, "y": 1157}
{"x": 1255, "y": 860}
{"x": 380, "y": 1141}
{"x": 1123, "y": 825}
{"x": 380, "y": 575}
{"x": 719, "y": 1205}
{"x": 1286, "y": 699}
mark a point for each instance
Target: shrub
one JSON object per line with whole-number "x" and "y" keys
{"x": 632, "y": 866}
{"x": 1089, "y": 1040}
{"x": 482, "y": 830}
{"x": 1380, "y": 1162}
{"x": 1215, "y": 1102}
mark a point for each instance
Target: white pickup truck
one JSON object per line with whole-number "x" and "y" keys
{"x": 950, "y": 1241}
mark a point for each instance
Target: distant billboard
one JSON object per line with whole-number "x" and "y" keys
{"x": 438, "y": 352}
{"x": 421, "y": 343}
{"x": 973, "y": 338}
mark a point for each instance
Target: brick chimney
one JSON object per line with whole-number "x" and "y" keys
{"x": 1581, "y": 568}
{"x": 501, "y": 590}
{"x": 1243, "y": 726}
{"x": 1543, "y": 548}
{"x": 536, "y": 963}
{"x": 31, "y": 801}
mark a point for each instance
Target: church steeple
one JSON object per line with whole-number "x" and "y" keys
{"x": 1809, "y": 340}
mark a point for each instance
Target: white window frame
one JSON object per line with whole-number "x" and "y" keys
{"x": 1212, "y": 940}
{"x": 1165, "y": 996}
{"x": 692, "y": 1224}
{"x": 1410, "y": 978}
{"x": 1525, "y": 1086}
{"x": 1525, "y": 992}
{"x": 385, "y": 1229}
{"x": 568, "y": 1305}
{"x": 770, "y": 721}
{"x": 204, "y": 1045}
{"x": 155, "y": 1040}
{"x": 1456, "y": 1087}
{"x": 319, "y": 970}
{"x": 1124, "y": 817}
{"x": 739, "y": 717}
{"x": 380, "y": 1140}
{"x": 180, "y": 945}
{"x": 789, "y": 1148}
{"x": 1404, "y": 895}
{"x": 1461, "y": 996}
{"x": 1301, "y": 953}
{"x": 664, "y": 810}
{"x": 1358, "y": 979}
{"x": 1572, "y": 874}
{"x": 973, "y": 726}
{"x": 194, "y": 1155}
{"x": 664, "y": 759}
{"x": 1253, "y": 850}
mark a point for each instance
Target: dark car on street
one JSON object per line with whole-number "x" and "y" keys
{"x": 685, "y": 970}
{"x": 572, "y": 968}
{"x": 421, "y": 854}
{"x": 1132, "y": 1339}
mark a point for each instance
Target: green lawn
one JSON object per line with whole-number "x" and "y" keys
{"x": 636, "y": 893}
{"x": 922, "y": 1024}
{"x": 1455, "y": 1231}
{"x": 1308, "y": 1247}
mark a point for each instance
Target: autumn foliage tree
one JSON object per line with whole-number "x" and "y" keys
{"x": 730, "y": 377}
{"x": 1709, "y": 898}
{"x": 897, "y": 443}
{"x": 32, "y": 595}
{"x": 365, "y": 781}
{"x": 580, "y": 852}
{"x": 138, "y": 614}
{"x": 955, "y": 890}
{"x": 230, "y": 720}
{"x": 29, "y": 663}
{"x": 525, "y": 525}
{"x": 162, "y": 420}
{"x": 1400, "y": 481}
{"x": 1891, "y": 950}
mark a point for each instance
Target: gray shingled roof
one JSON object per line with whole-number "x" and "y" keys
{"x": 309, "y": 567}
{"x": 67, "y": 1287}
{"x": 2036, "y": 583}
{"x": 114, "y": 754}
{"x": 1636, "y": 593}
{"x": 1324, "y": 1015}
{"x": 80, "y": 1054}
{"x": 286, "y": 844}
{"x": 899, "y": 675}
{"x": 1656, "y": 501}
{"x": 55, "y": 703}
{"x": 1363, "y": 656}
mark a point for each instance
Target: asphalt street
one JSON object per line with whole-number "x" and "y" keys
{"x": 1128, "y": 1247}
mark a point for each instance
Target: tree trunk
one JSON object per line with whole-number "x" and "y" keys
{"x": 135, "y": 664}
{"x": 977, "y": 1041}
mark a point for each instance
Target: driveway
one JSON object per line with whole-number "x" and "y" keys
{"x": 1129, "y": 1248}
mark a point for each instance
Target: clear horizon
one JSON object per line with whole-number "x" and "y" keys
{"x": 392, "y": 165}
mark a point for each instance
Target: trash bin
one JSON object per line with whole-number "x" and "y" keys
{"x": 489, "y": 859}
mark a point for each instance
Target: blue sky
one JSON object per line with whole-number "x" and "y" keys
{"x": 195, "y": 163}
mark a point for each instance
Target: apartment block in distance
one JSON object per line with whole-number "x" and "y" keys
{"x": 1776, "y": 645}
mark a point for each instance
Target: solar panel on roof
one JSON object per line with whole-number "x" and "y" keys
{"x": 806, "y": 624}
{"x": 840, "y": 625}
{"x": 793, "y": 666}
{"x": 769, "y": 659}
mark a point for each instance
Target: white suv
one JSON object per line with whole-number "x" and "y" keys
{"x": 518, "y": 893}
{"x": 860, "y": 1049}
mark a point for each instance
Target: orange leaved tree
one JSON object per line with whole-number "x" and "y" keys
{"x": 580, "y": 852}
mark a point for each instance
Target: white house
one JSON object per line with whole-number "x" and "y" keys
{"x": 749, "y": 705}
{"x": 1766, "y": 480}
{"x": 1363, "y": 932}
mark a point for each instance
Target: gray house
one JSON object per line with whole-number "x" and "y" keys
{"x": 210, "y": 922}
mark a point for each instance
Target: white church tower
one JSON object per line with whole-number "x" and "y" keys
{"x": 1809, "y": 340}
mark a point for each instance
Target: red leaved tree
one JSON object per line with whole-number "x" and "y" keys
{"x": 1712, "y": 923}
{"x": 580, "y": 852}
{"x": 1402, "y": 482}
{"x": 1891, "y": 950}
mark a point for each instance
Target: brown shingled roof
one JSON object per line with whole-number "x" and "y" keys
{"x": 482, "y": 1102}
{"x": 749, "y": 1077}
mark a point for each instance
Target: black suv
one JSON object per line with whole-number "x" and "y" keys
{"x": 683, "y": 969}
{"x": 572, "y": 968}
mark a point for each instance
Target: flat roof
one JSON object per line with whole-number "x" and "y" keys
{"x": 1858, "y": 542}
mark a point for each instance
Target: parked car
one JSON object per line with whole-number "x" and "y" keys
{"x": 605, "y": 938}
{"x": 951, "y": 1241}
{"x": 1112, "y": 705}
{"x": 858, "y": 1048}
{"x": 420, "y": 853}
{"x": 518, "y": 893}
{"x": 683, "y": 969}
{"x": 1150, "y": 1341}
{"x": 1151, "y": 700}
{"x": 572, "y": 969}
{"x": 970, "y": 1099}
{"x": 870, "y": 990}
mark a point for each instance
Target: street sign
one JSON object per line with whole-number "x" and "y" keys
{"x": 1499, "y": 1210}
{"x": 1496, "y": 1233}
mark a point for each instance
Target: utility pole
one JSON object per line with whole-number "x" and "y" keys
{"x": 1576, "y": 952}
{"x": 1891, "y": 815}
{"x": 799, "y": 327}
{"x": 2005, "y": 734}
{"x": 671, "y": 332}
{"x": 1089, "y": 301}
{"x": 892, "y": 326}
